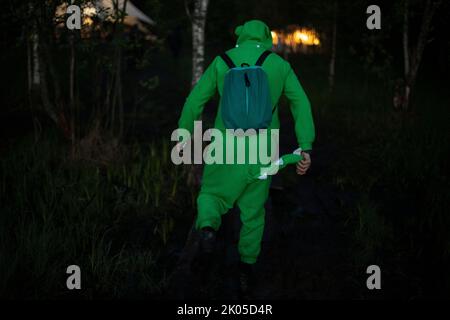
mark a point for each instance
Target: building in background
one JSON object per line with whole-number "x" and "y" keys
{"x": 296, "y": 39}
{"x": 98, "y": 11}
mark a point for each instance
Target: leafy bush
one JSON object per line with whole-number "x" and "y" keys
{"x": 114, "y": 222}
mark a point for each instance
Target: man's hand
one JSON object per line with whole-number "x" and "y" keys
{"x": 303, "y": 166}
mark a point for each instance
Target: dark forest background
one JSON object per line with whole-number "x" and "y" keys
{"x": 86, "y": 176}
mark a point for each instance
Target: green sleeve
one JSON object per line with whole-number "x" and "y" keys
{"x": 200, "y": 94}
{"x": 301, "y": 110}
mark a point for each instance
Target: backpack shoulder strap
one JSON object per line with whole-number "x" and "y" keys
{"x": 262, "y": 58}
{"x": 228, "y": 60}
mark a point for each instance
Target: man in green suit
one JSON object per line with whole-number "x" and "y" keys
{"x": 224, "y": 185}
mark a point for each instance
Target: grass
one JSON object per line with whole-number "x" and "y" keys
{"x": 398, "y": 164}
{"x": 113, "y": 222}
{"x": 116, "y": 221}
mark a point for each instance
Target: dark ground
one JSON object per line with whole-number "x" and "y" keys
{"x": 306, "y": 250}
{"x": 309, "y": 250}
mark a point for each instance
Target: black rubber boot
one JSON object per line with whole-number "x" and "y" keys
{"x": 245, "y": 278}
{"x": 207, "y": 240}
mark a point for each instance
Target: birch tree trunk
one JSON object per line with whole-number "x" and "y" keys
{"x": 413, "y": 58}
{"x": 119, "y": 73}
{"x": 43, "y": 85}
{"x": 198, "y": 39}
{"x": 198, "y": 20}
{"x": 33, "y": 53}
{"x": 116, "y": 76}
{"x": 29, "y": 70}
{"x": 406, "y": 93}
{"x": 333, "y": 50}
{"x": 35, "y": 60}
{"x": 72, "y": 88}
{"x": 405, "y": 37}
{"x": 31, "y": 88}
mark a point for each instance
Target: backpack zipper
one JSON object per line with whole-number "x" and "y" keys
{"x": 246, "y": 98}
{"x": 247, "y": 85}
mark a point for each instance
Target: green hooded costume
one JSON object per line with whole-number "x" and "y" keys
{"x": 224, "y": 185}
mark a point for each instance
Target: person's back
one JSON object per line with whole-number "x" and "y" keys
{"x": 224, "y": 185}
{"x": 248, "y": 50}
{"x": 254, "y": 38}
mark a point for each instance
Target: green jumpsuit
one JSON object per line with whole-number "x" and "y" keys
{"x": 224, "y": 185}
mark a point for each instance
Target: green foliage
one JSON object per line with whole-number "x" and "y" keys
{"x": 395, "y": 166}
{"x": 113, "y": 222}
{"x": 372, "y": 231}
{"x": 376, "y": 59}
{"x": 396, "y": 162}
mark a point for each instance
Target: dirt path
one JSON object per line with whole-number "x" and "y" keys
{"x": 304, "y": 251}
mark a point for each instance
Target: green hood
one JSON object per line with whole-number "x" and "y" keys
{"x": 254, "y": 30}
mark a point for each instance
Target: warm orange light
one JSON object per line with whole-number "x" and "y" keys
{"x": 89, "y": 11}
{"x": 301, "y": 37}
{"x": 87, "y": 21}
{"x": 297, "y": 37}
{"x": 274, "y": 37}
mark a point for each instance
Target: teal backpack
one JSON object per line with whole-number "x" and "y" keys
{"x": 246, "y": 102}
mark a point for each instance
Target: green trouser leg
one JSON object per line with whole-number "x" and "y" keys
{"x": 222, "y": 186}
{"x": 251, "y": 203}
